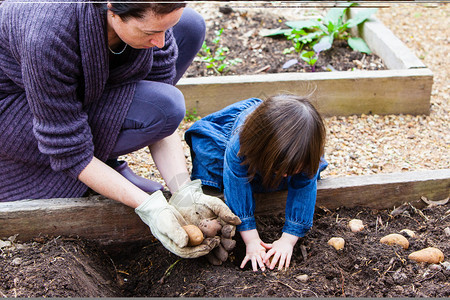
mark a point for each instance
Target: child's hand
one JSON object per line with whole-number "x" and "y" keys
{"x": 281, "y": 250}
{"x": 254, "y": 250}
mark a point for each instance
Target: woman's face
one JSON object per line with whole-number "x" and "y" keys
{"x": 143, "y": 33}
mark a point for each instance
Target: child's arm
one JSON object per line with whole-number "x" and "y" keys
{"x": 300, "y": 203}
{"x": 239, "y": 197}
{"x": 281, "y": 250}
{"x": 254, "y": 250}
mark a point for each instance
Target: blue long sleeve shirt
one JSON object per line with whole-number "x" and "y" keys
{"x": 214, "y": 142}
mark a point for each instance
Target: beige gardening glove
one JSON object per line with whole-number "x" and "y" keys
{"x": 166, "y": 223}
{"x": 195, "y": 207}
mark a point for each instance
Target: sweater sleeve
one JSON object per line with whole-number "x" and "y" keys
{"x": 164, "y": 59}
{"x": 51, "y": 68}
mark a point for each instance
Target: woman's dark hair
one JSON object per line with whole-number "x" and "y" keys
{"x": 284, "y": 135}
{"x": 137, "y": 8}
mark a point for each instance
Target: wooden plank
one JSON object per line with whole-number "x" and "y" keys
{"x": 95, "y": 218}
{"x": 338, "y": 93}
{"x": 383, "y": 42}
{"x": 379, "y": 191}
{"x": 109, "y": 222}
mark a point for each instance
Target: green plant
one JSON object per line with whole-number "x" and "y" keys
{"x": 319, "y": 34}
{"x": 300, "y": 37}
{"x": 191, "y": 116}
{"x": 216, "y": 57}
{"x": 310, "y": 57}
{"x": 334, "y": 26}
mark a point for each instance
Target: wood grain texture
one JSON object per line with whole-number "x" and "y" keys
{"x": 337, "y": 93}
{"x": 380, "y": 191}
{"x": 109, "y": 222}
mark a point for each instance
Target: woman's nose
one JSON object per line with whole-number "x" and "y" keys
{"x": 159, "y": 40}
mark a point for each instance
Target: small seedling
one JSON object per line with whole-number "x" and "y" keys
{"x": 216, "y": 57}
{"x": 311, "y": 58}
{"x": 191, "y": 116}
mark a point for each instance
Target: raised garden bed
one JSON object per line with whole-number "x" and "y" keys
{"x": 404, "y": 88}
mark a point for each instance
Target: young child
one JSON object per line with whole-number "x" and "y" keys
{"x": 260, "y": 146}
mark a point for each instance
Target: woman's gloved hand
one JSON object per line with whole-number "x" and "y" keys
{"x": 166, "y": 223}
{"x": 195, "y": 207}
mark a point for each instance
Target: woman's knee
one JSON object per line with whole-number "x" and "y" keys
{"x": 176, "y": 108}
{"x": 191, "y": 28}
{"x": 157, "y": 103}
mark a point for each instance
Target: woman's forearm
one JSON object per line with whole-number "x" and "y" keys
{"x": 105, "y": 180}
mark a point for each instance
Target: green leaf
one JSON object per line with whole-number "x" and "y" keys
{"x": 220, "y": 57}
{"x": 297, "y": 31}
{"x": 288, "y": 50}
{"x": 310, "y": 37}
{"x": 322, "y": 45}
{"x": 222, "y": 67}
{"x": 273, "y": 32}
{"x": 360, "y": 17}
{"x": 302, "y": 24}
{"x": 307, "y": 55}
{"x": 334, "y": 15}
{"x": 328, "y": 39}
{"x": 219, "y": 32}
{"x": 358, "y": 44}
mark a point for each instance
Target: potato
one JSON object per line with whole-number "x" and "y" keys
{"x": 228, "y": 231}
{"x": 337, "y": 242}
{"x": 395, "y": 238}
{"x": 220, "y": 253}
{"x": 355, "y": 225}
{"x": 210, "y": 227}
{"x": 429, "y": 255}
{"x": 410, "y": 233}
{"x": 195, "y": 235}
{"x": 213, "y": 259}
{"x": 228, "y": 244}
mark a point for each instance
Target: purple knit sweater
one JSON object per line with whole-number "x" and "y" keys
{"x": 60, "y": 102}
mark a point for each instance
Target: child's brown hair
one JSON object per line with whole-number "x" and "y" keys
{"x": 284, "y": 135}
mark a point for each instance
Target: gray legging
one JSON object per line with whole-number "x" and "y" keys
{"x": 158, "y": 108}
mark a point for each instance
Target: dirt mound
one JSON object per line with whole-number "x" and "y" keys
{"x": 57, "y": 267}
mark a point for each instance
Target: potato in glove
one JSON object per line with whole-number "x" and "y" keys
{"x": 166, "y": 223}
{"x": 200, "y": 209}
{"x": 195, "y": 206}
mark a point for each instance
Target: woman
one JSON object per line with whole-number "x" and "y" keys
{"x": 83, "y": 83}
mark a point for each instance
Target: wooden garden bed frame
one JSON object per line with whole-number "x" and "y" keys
{"x": 110, "y": 222}
{"x": 405, "y": 88}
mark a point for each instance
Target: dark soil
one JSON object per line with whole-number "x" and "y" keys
{"x": 61, "y": 267}
{"x": 265, "y": 54}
